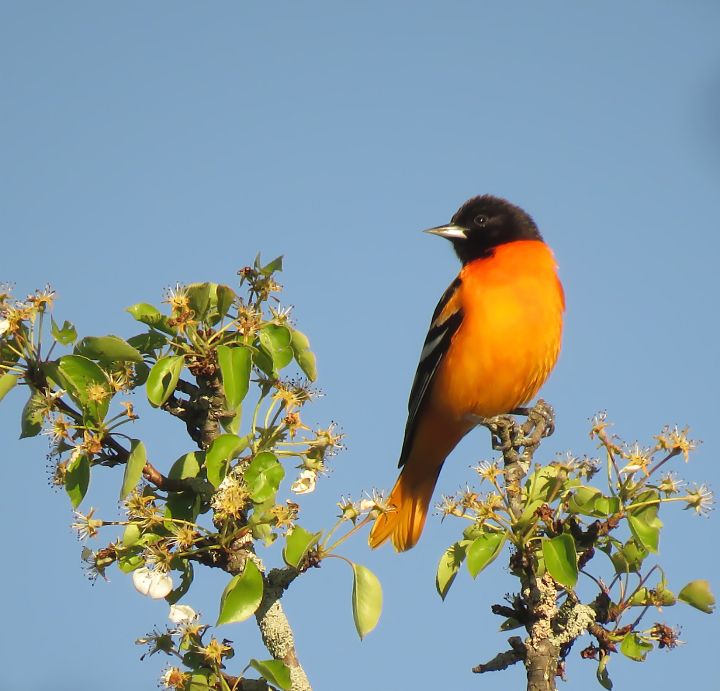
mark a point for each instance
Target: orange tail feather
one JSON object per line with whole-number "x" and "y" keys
{"x": 411, "y": 499}
{"x": 435, "y": 438}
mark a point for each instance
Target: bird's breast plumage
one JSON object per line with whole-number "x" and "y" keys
{"x": 509, "y": 338}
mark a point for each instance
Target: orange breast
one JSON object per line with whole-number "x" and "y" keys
{"x": 509, "y": 339}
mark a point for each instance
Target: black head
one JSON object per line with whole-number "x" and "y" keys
{"x": 483, "y": 223}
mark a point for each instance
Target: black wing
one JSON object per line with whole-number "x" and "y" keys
{"x": 446, "y": 319}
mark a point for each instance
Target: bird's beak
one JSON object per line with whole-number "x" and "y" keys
{"x": 449, "y": 232}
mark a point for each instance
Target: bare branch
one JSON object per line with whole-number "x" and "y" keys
{"x": 504, "y": 660}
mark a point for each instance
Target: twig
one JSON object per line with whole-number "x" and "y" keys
{"x": 504, "y": 660}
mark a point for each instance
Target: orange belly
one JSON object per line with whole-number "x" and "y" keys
{"x": 510, "y": 339}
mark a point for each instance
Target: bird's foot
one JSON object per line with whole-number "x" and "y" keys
{"x": 541, "y": 419}
{"x": 501, "y": 429}
{"x": 508, "y": 436}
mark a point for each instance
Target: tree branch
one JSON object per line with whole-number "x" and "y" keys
{"x": 518, "y": 444}
{"x": 504, "y": 660}
{"x": 275, "y": 630}
{"x": 538, "y": 599}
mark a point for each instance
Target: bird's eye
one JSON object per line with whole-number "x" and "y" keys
{"x": 481, "y": 220}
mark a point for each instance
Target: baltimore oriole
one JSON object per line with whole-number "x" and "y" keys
{"x": 493, "y": 339}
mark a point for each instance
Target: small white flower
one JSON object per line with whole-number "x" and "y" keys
{"x": 153, "y": 583}
{"x": 181, "y": 614}
{"x": 305, "y": 483}
{"x": 4, "y": 326}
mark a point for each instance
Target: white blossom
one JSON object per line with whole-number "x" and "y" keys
{"x": 305, "y": 483}
{"x": 181, "y": 614}
{"x": 153, "y": 583}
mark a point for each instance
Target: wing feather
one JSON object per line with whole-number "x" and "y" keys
{"x": 446, "y": 320}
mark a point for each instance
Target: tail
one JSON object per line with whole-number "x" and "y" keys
{"x": 435, "y": 437}
{"x": 411, "y": 499}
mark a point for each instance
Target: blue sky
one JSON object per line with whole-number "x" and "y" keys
{"x": 149, "y": 143}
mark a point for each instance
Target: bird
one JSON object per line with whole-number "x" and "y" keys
{"x": 494, "y": 338}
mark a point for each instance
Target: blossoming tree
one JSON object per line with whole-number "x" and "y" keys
{"x": 216, "y": 354}
{"x": 217, "y": 505}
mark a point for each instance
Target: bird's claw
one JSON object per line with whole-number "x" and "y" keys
{"x": 543, "y": 415}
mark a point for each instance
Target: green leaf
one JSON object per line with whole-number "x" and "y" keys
{"x": 299, "y": 341}
{"x": 232, "y": 424}
{"x": 544, "y": 484}
{"x": 263, "y": 531}
{"x": 629, "y": 558}
{"x": 582, "y": 500}
{"x": 303, "y": 355}
{"x": 128, "y": 562}
{"x": 264, "y": 362}
{"x": 647, "y": 534}
{"x": 152, "y": 316}
{"x": 183, "y": 506}
{"x": 297, "y": 544}
{"x": 274, "y": 671}
{"x": 261, "y": 521}
{"x": 131, "y": 534}
{"x": 473, "y": 531}
{"x": 163, "y": 378}
{"x": 528, "y": 515}
{"x": 77, "y": 479}
{"x": 134, "y": 467}
{"x": 77, "y": 375}
{"x": 142, "y": 372}
{"x": 198, "y": 295}
{"x": 448, "y": 566}
{"x": 263, "y": 476}
{"x": 64, "y": 335}
{"x": 602, "y": 676}
{"x": 242, "y": 596}
{"x": 366, "y": 600}
{"x": 561, "y": 559}
{"x": 483, "y": 550}
{"x": 225, "y": 297}
{"x": 188, "y": 465}
{"x": 186, "y": 579}
{"x": 275, "y": 341}
{"x": 201, "y": 681}
{"x": 107, "y": 349}
{"x": 210, "y": 302}
{"x": 308, "y": 364}
{"x": 644, "y": 523}
{"x": 31, "y": 418}
{"x": 217, "y": 458}
{"x": 235, "y": 365}
{"x": 589, "y": 501}
{"x": 634, "y": 647}
{"x": 607, "y": 506}
{"x": 664, "y": 596}
{"x": 698, "y": 594}
{"x": 661, "y": 597}
{"x": 640, "y": 598}
{"x": 149, "y": 342}
{"x": 271, "y": 267}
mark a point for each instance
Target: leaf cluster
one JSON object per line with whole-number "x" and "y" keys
{"x": 216, "y": 360}
{"x": 557, "y": 525}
